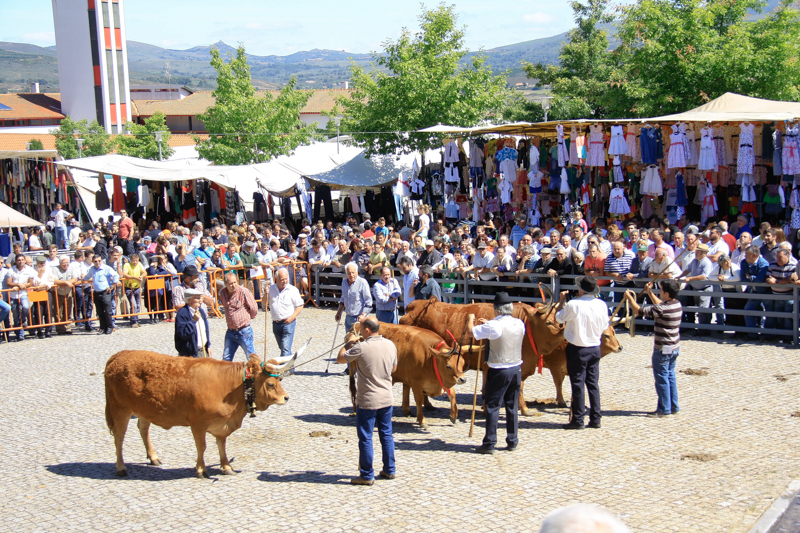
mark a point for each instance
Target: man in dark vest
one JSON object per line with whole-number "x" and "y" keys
{"x": 504, "y": 378}
{"x": 191, "y": 327}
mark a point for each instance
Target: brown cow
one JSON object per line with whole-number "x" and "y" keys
{"x": 417, "y": 352}
{"x": 548, "y": 335}
{"x": 556, "y": 363}
{"x": 205, "y": 394}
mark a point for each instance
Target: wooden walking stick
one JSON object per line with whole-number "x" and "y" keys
{"x": 477, "y": 379}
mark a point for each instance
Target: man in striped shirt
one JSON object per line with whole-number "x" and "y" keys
{"x": 666, "y": 312}
{"x": 240, "y": 308}
{"x": 781, "y": 275}
{"x": 617, "y": 265}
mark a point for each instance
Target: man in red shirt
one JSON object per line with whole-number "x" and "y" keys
{"x": 125, "y": 233}
{"x": 240, "y": 308}
{"x": 593, "y": 266}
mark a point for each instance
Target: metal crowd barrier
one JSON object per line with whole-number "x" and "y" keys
{"x": 327, "y": 288}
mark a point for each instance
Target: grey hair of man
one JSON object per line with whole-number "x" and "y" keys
{"x": 784, "y": 251}
{"x": 504, "y": 309}
{"x": 526, "y": 250}
{"x": 351, "y": 266}
{"x": 723, "y": 258}
{"x": 426, "y": 270}
{"x": 282, "y": 269}
{"x": 582, "y": 517}
{"x": 405, "y": 260}
{"x": 752, "y": 249}
{"x": 786, "y": 245}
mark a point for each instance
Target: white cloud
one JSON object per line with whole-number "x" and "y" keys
{"x": 41, "y": 37}
{"x": 539, "y": 18}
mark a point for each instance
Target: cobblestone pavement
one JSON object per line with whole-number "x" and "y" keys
{"x": 58, "y": 471}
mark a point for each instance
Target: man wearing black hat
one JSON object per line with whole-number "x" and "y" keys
{"x": 504, "y": 378}
{"x": 191, "y": 280}
{"x": 192, "y": 337}
{"x": 586, "y": 317}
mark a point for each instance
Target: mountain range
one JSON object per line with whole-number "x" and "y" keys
{"x": 22, "y": 63}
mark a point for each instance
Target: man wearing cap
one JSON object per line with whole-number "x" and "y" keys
{"x": 192, "y": 335}
{"x": 431, "y": 256}
{"x": 191, "y": 280}
{"x": 585, "y": 317}
{"x": 285, "y": 304}
{"x": 504, "y": 378}
{"x": 482, "y": 264}
{"x": 698, "y": 272}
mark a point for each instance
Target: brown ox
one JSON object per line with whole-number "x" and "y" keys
{"x": 417, "y": 352}
{"x": 541, "y": 325}
{"x": 204, "y": 394}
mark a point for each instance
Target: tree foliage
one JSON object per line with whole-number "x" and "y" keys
{"x": 678, "y": 54}
{"x": 418, "y": 83}
{"x": 246, "y": 127}
{"x": 96, "y": 141}
{"x": 579, "y": 83}
{"x": 517, "y": 108}
{"x": 673, "y": 55}
{"x": 35, "y": 144}
{"x": 142, "y": 140}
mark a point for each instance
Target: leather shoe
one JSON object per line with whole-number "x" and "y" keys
{"x": 358, "y": 480}
{"x": 384, "y": 475}
{"x": 485, "y": 450}
{"x": 572, "y": 425}
{"x": 109, "y": 331}
{"x": 511, "y": 447}
{"x": 101, "y": 332}
{"x": 594, "y": 425}
{"x": 656, "y": 414}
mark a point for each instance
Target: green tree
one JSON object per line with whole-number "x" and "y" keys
{"x": 580, "y": 83}
{"x": 245, "y": 127}
{"x": 416, "y": 82}
{"x": 517, "y": 108}
{"x": 96, "y": 141}
{"x": 35, "y": 144}
{"x": 678, "y": 54}
{"x": 141, "y": 141}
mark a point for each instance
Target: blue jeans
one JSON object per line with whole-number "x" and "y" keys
{"x": 20, "y": 307}
{"x": 61, "y": 237}
{"x": 753, "y": 321}
{"x": 704, "y": 302}
{"x": 778, "y": 306}
{"x": 366, "y": 420}
{"x": 134, "y": 297}
{"x": 5, "y": 309}
{"x": 349, "y": 321}
{"x": 666, "y": 387}
{"x": 284, "y": 334}
{"x": 234, "y": 339}
{"x": 389, "y": 317}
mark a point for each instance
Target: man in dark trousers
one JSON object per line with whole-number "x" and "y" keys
{"x": 192, "y": 338}
{"x": 504, "y": 378}
{"x": 375, "y": 359}
{"x": 586, "y": 317}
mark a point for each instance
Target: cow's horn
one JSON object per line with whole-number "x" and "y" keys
{"x": 613, "y": 322}
{"x": 282, "y": 364}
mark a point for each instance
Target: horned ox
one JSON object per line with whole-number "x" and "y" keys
{"x": 541, "y": 326}
{"x": 205, "y": 394}
{"x": 420, "y": 355}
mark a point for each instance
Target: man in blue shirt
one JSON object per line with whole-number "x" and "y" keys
{"x": 104, "y": 279}
{"x": 699, "y": 270}
{"x": 356, "y": 298}
{"x": 387, "y": 292}
{"x": 519, "y": 231}
{"x": 754, "y": 269}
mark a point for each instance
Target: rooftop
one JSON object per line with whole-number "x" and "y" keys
{"x": 18, "y": 141}
{"x": 19, "y": 106}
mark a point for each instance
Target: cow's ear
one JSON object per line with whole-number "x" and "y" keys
{"x": 254, "y": 359}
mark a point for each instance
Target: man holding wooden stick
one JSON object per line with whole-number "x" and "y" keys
{"x": 504, "y": 377}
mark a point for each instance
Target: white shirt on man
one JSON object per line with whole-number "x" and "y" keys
{"x": 586, "y": 318}
{"x": 282, "y": 303}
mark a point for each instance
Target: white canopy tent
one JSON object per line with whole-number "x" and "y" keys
{"x": 13, "y": 218}
{"x": 375, "y": 171}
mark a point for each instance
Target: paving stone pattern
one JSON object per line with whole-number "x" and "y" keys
{"x": 57, "y": 471}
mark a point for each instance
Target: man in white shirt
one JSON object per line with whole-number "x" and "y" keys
{"x": 74, "y": 234}
{"x": 61, "y": 217}
{"x": 410, "y": 274}
{"x": 738, "y": 255}
{"x": 586, "y": 317}
{"x": 579, "y": 240}
{"x": 20, "y": 278}
{"x": 285, "y": 304}
{"x": 717, "y": 246}
{"x": 661, "y": 263}
{"x": 482, "y": 263}
{"x": 658, "y": 242}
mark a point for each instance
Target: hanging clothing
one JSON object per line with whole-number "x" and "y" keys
{"x": 630, "y": 141}
{"x": 596, "y": 153}
{"x": 563, "y": 153}
{"x": 618, "y": 145}
{"x": 680, "y": 197}
{"x": 777, "y": 151}
{"x": 573, "y": 146}
{"x": 791, "y": 150}
{"x": 651, "y": 182}
{"x": 707, "y": 159}
{"x": 617, "y": 202}
{"x": 119, "y": 196}
{"x": 691, "y": 147}
{"x": 677, "y": 150}
{"x": 747, "y": 159}
{"x": 535, "y": 181}
{"x": 648, "y": 139}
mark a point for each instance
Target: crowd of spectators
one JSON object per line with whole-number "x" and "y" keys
{"x": 429, "y": 256}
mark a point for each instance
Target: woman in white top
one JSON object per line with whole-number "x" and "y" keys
{"x": 43, "y": 280}
{"x": 502, "y": 263}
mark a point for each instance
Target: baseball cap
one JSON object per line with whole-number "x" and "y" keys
{"x": 429, "y": 243}
{"x": 642, "y": 248}
{"x": 482, "y": 245}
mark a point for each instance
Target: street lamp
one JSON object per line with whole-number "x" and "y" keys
{"x": 338, "y": 120}
{"x": 80, "y": 142}
{"x": 159, "y": 137}
{"x": 546, "y": 106}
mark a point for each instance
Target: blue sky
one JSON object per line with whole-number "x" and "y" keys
{"x": 268, "y": 27}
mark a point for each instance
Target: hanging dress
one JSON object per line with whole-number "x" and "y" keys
{"x": 617, "y": 202}
{"x": 573, "y": 146}
{"x": 596, "y": 153}
{"x": 617, "y": 146}
{"x": 747, "y": 159}
{"x": 651, "y": 182}
{"x": 691, "y": 146}
{"x": 680, "y": 197}
{"x": 719, "y": 145}
{"x": 563, "y": 153}
{"x": 794, "y": 203}
{"x": 777, "y": 151}
{"x": 677, "y": 150}
{"x": 708, "y": 151}
{"x": 630, "y": 141}
{"x": 648, "y": 139}
{"x": 791, "y": 155}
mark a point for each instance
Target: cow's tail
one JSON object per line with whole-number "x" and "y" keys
{"x": 109, "y": 418}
